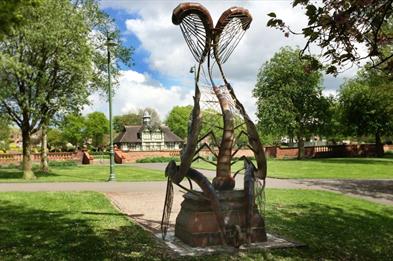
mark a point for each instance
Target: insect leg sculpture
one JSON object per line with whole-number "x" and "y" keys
{"x": 212, "y": 46}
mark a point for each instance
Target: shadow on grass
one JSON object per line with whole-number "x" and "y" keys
{"x": 55, "y": 235}
{"x": 18, "y": 174}
{"x": 378, "y": 189}
{"x": 332, "y": 232}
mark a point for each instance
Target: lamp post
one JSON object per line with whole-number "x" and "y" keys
{"x": 112, "y": 177}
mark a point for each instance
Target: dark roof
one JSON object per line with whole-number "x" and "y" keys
{"x": 130, "y": 134}
{"x": 169, "y": 136}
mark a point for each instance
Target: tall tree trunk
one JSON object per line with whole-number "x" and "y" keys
{"x": 44, "y": 148}
{"x": 27, "y": 164}
{"x": 300, "y": 146}
{"x": 378, "y": 145}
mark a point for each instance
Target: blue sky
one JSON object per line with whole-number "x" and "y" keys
{"x": 160, "y": 77}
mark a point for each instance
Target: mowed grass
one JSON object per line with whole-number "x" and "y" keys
{"x": 332, "y": 168}
{"x": 84, "y": 226}
{"x": 69, "y": 226}
{"x": 85, "y": 173}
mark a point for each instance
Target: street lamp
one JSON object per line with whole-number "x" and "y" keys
{"x": 112, "y": 177}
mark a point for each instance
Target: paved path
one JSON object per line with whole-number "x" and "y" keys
{"x": 143, "y": 201}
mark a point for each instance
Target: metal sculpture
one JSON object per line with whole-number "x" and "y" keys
{"x": 212, "y": 46}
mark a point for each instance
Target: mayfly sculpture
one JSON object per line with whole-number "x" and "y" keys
{"x": 218, "y": 214}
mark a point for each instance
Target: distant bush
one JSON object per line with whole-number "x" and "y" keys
{"x": 238, "y": 158}
{"x": 10, "y": 166}
{"x": 157, "y": 159}
{"x": 62, "y": 163}
{"x": 99, "y": 153}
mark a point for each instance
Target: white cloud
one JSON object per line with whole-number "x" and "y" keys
{"x": 169, "y": 54}
{"x": 136, "y": 90}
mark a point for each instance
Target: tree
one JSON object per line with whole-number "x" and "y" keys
{"x": 333, "y": 130}
{"x": 131, "y": 118}
{"x": 52, "y": 63}
{"x": 155, "y": 121}
{"x": 74, "y": 129}
{"x": 178, "y": 120}
{"x": 97, "y": 125}
{"x": 46, "y": 66}
{"x": 367, "y": 106}
{"x": 55, "y": 139}
{"x": 5, "y": 132}
{"x": 289, "y": 98}
{"x": 340, "y": 27}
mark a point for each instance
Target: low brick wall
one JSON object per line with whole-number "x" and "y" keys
{"x": 331, "y": 151}
{"x": 17, "y": 157}
{"x": 274, "y": 152}
{"x": 133, "y": 156}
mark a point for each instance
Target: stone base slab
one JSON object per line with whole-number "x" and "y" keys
{"x": 182, "y": 249}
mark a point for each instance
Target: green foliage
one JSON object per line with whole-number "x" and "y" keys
{"x": 136, "y": 118}
{"x": 5, "y": 132}
{"x": 63, "y": 163}
{"x": 97, "y": 125}
{"x": 157, "y": 159}
{"x": 339, "y": 27}
{"x": 48, "y": 63}
{"x": 74, "y": 129}
{"x": 55, "y": 139}
{"x": 366, "y": 104}
{"x": 51, "y": 63}
{"x": 46, "y": 66}
{"x": 212, "y": 121}
{"x": 12, "y": 15}
{"x": 119, "y": 121}
{"x": 178, "y": 120}
{"x": 289, "y": 97}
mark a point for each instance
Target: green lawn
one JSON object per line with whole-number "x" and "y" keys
{"x": 84, "y": 173}
{"x": 334, "y": 168}
{"x": 68, "y": 226}
{"x": 83, "y": 226}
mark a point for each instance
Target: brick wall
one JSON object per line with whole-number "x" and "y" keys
{"x": 132, "y": 156}
{"x": 17, "y": 157}
{"x": 275, "y": 152}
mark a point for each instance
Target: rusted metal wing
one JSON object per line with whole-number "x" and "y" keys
{"x": 196, "y": 25}
{"x": 229, "y": 30}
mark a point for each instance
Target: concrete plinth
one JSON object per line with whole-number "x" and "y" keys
{"x": 196, "y": 224}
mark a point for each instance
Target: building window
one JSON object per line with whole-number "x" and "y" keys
{"x": 170, "y": 145}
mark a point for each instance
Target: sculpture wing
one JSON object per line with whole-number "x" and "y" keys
{"x": 229, "y": 30}
{"x": 196, "y": 25}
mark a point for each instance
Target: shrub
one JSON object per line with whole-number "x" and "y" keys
{"x": 11, "y": 166}
{"x": 63, "y": 163}
{"x": 157, "y": 159}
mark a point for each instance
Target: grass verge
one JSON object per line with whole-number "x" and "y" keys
{"x": 69, "y": 226}
{"x": 332, "y": 168}
{"x": 84, "y": 173}
{"x": 84, "y": 226}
